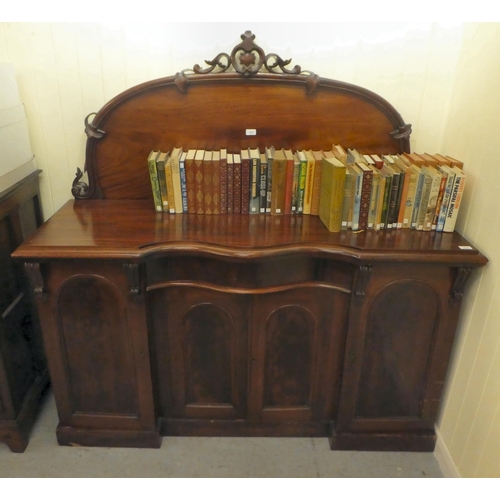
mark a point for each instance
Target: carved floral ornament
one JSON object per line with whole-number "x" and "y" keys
{"x": 247, "y": 59}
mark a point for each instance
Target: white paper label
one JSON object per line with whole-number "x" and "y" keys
{"x": 251, "y": 131}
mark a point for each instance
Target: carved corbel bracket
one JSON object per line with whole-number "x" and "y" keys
{"x": 134, "y": 280}
{"x": 457, "y": 289}
{"x": 247, "y": 59}
{"x": 361, "y": 279}
{"x": 35, "y": 276}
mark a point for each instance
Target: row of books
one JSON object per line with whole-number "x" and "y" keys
{"x": 417, "y": 191}
{"x": 347, "y": 189}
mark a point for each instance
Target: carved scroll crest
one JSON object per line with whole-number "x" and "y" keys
{"x": 402, "y": 132}
{"x": 247, "y": 59}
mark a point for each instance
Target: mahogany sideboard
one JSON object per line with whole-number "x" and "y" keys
{"x": 240, "y": 325}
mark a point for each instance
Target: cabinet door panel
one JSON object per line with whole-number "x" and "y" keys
{"x": 398, "y": 342}
{"x": 98, "y": 351}
{"x": 298, "y": 338}
{"x": 200, "y": 345}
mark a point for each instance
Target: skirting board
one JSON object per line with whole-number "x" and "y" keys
{"x": 443, "y": 457}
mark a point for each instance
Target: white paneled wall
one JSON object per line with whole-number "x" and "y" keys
{"x": 444, "y": 80}
{"x": 68, "y": 70}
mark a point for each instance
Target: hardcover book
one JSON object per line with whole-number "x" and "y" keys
{"x": 308, "y": 192}
{"x": 230, "y": 183}
{"x": 263, "y": 183}
{"x": 290, "y": 171}
{"x": 224, "y": 183}
{"x": 161, "y": 162}
{"x": 245, "y": 181}
{"x": 216, "y": 184}
{"x": 208, "y": 183}
{"x": 279, "y": 182}
{"x": 269, "y": 181}
{"x": 175, "y": 158}
{"x": 316, "y": 187}
{"x": 302, "y": 181}
{"x": 198, "y": 178}
{"x": 455, "y": 200}
{"x": 182, "y": 169}
{"x": 254, "y": 200}
{"x": 332, "y": 183}
{"x": 237, "y": 206}
{"x": 153, "y": 175}
{"x": 366, "y": 190}
{"x": 190, "y": 181}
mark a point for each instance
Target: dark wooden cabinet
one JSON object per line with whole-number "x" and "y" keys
{"x": 159, "y": 324}
{"x": 23, "y": 371}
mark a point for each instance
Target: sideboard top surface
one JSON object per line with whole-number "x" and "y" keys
{"x": 133, "y": 230}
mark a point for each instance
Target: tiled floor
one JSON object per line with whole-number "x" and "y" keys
{"x": 185, "y": 457}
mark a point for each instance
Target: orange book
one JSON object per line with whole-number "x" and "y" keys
{"x": 190, "y": 182}
{"x": 198, "y": 181}
{"x": 208, "y": 183}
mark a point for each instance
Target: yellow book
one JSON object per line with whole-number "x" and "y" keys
{"x": 308, "y": 192}
{"x": 170, "y": 185}
{"x": 176, "y": 179}
{"x": 331, "y": 198}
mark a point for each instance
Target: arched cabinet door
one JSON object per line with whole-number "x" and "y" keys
{"x": 398, "y": 346}
{"x": 297, "y": 346}
{"x": 200, "y": 344}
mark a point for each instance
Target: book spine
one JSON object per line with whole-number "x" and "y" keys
{"x": 269, "y": 184}
{"x": 364, "y": 207}
{"x": 302, "y": 186}
{"x": 316, "y": 187}
{"x": 162, "y": 181}
{"x": 237, "y": 188}
{"x": 309, "y": 186}
{"x": 155, "y": 185}
{"x": 198, "y": 175}
{"x": 385, "y": 204}
{"x": 373, "y": 202}
{"x": 254, "y": 202}
{"x": 289, "y": 185}
{"x": 455, "y": 201}
{"x": 347, "y": 199}
{"x": 295, "y": 185}
{"x": 442, "y": 188}
{"x": 223, "y": 180}
{"x": 182, "y": 169}
{"x": 426, "y": 191}
{"x": 245, "y": 185}
{"x": 356, "y": 209}
{"x": 207, "y": 186}
{"x": 380, "y": 204}
{"x": 176, "y": 182}
{"x": 410, "y": 199}
{"x": 170, "y": 186}
{"x": 418, "y": 199}
{"x": 230, "y": 187}
{"x": 393, "y": 200}
{"x": 403, "y": 199}
{"x": 431, "y": 204}
{"x": 191, "y": 185}
{"x": 337, "y": 199}
{"x": 262, "y": 186}
{"x": 279, "y": 181}
{"x": 450, "y": 180}
{"x": 216, "y": 187}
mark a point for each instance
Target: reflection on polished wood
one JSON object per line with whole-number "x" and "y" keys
{"x": 132, "y": 229}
